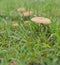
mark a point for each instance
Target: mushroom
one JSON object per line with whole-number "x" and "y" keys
{"x": 21, "y": 9}
{"x": 2, "y": 32}
{"x": 27, "y": 14}
{"x": 12, "y": 62}
{"x": 14, "y": 25}
{"x": 42, "y": 20}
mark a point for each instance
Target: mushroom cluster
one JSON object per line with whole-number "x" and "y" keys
{"x": 43, "y": 22}
{"x": 24, "y": 13}
{"x": 36, "y": 19}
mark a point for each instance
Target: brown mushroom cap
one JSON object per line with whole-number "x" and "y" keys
{"x": 28, "y": 13}
{"x": 21, "y": 9}
{"x": 2, "y": 32}
{"x": 15, "y": 25}
{"x": 41, "y": 20}
{"x": 12, "y": 62}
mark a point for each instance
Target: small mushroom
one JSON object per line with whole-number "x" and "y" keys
{"x": 21, "y": 9}
{"x": 15, "y": 25}
{"x": 2, "y": 32}
{"x": 27, "y": 14}
{"x": 26, "y": 24}
{"x": 42, "y": 20}
{"x": 12, "y": 62}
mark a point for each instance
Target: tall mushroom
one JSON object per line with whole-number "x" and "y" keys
{"x": 43, "y": 24}
{"x": 41, "y": 21}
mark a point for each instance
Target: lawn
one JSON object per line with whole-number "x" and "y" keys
{"x": 24, "y": 42}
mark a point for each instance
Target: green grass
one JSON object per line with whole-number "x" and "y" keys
{"x": 30, "y": 42}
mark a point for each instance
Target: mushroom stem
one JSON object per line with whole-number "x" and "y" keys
{"x": 41, "y": 27}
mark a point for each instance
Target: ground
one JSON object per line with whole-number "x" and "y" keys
{"x": 29, "y": 43}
